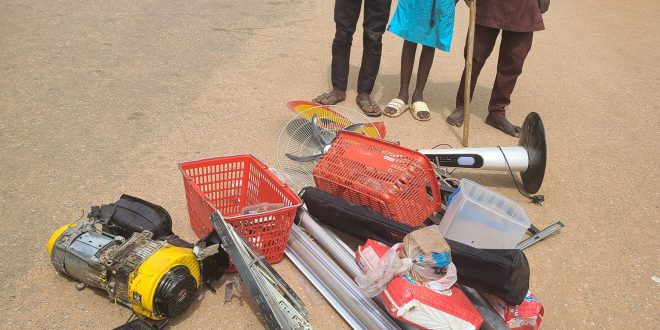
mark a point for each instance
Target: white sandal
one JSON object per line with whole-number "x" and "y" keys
{"x": 397, "y": 104}
{"x": 418, "y": 107}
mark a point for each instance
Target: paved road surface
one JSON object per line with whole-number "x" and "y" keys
{"x": 100, "y": 98}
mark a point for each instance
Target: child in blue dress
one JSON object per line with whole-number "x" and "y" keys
{"x": 431, "y": 24}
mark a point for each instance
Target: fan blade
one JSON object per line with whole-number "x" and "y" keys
{"x": 375, "y": 130}
{"x": 321, "y": 136}
{"x": 308, "y": 108}
{"x": 316, "y": 131}
{"x": 353, "y": 128}
{"x": 326, "y": 121}
{"x": 303, "y": 159}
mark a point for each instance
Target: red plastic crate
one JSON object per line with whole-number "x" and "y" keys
{"x": 383, "y": 176}
{"x": 227, "y": 184}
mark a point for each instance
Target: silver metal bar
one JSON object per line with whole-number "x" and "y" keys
{"x": 346, "y": 253}
{"x": 335, "y": 302}
{"x": 339, "y": 289}
{"x": 540, "y": 235}
{"x": 328, "y": 240}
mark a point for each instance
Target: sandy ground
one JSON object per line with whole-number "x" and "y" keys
{"x": 103, "y": 98}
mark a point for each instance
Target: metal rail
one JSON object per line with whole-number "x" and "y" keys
{"x": 279, "y": 305}
{"x": 539, "y": 235}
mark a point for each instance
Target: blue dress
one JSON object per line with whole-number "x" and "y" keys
{"x": 412, "y": 21}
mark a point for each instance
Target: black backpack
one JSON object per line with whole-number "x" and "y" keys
{"x": 131, "y": 215}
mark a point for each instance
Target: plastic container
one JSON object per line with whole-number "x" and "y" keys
{"x": 390, "y": 179}
{"x": 484, "y": 219}
{"x": 230, "y": 184}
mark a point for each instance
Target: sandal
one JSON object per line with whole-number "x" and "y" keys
{"x": 418, "y": 108}
{"x": 397, "y": 104}
{"x": 328, "y": 99}
{"x": 368, "y": 106}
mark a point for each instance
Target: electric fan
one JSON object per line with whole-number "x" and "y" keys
{"x": 309, "y": 134}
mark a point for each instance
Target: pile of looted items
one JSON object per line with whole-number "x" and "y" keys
{"x": 429, "y": 251}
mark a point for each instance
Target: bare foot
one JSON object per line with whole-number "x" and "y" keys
{"x": 504, "y": 125}
{"x": 330, "y": 98}
{"x": 456, "y": 117}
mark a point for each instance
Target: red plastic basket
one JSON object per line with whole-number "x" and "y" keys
{"x": 383, "y": 176}
{"x": 227, "y": 184}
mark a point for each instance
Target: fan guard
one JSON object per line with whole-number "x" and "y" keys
{"x": 297, "y": 139}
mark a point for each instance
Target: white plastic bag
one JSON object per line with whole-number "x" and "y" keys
{"x": 423, "y": 258}
{"x": 374, "y": 281}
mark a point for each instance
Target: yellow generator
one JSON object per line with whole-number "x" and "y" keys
{"x": 152, "y": 277}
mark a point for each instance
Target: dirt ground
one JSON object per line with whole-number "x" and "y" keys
{"x": 101, "y": 98}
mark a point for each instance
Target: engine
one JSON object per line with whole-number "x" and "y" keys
{"x": 152, "y": 277}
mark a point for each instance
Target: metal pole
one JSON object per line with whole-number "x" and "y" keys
{"x": 335, "y": 247}
{"x": 338, "y": 288}
{"x": 468, "y": 73}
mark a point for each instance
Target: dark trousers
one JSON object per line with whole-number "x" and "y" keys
{"x": 376, "y": 14}
{"x": 514, "y": 48}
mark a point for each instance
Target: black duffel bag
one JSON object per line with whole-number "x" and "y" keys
{"x": 500, "y": 272}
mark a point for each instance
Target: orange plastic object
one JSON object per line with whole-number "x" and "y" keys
{"x": 228, "y": 184}
{"x": 383, "y": 176}
{"x": 376, "y": 129}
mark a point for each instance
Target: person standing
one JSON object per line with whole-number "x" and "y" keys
{"x": 347, "y": 12}
{"x": 517, "y": 20}
{"x": 431, "y": 24}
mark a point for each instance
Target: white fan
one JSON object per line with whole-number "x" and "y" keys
{"x": 309, "y": 134}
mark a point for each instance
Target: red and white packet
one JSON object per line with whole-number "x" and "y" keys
{"x": 418, "y": 305}
{"x": 526, "y": 316}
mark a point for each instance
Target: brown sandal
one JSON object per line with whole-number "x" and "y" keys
{"x": 368, "y": 106}
{"x": 328, "y": 99}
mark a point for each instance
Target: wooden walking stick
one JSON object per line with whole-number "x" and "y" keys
{"x": 468, "y": 73}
